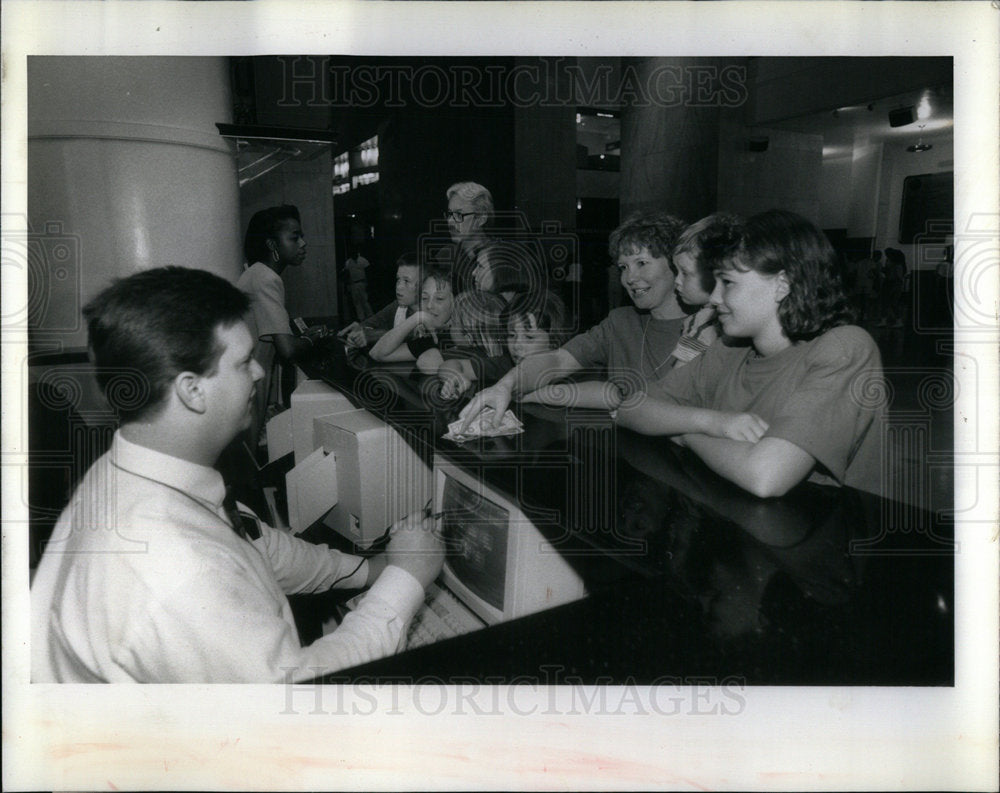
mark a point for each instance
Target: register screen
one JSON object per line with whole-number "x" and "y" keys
{"x": 475, "y": 533}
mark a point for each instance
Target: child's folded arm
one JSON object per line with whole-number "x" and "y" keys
{"x": 768, "y": 468}
{"x": 661, "y": 415}
{"x": 429, "y": 361}
{"x": 392, "y": 347}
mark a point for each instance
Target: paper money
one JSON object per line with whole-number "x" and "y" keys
{"x": 482, "y": 427}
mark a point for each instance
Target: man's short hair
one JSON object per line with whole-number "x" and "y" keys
{"x": 146, "y": 329}
{"x": 408, "y": 259}
{"x": 479, "y": 198}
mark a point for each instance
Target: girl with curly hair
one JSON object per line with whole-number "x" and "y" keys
{"x": 796, "y": 383}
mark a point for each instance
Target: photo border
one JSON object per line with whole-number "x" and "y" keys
{"x": 221, "y": 736}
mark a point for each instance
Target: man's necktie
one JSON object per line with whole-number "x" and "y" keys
{"x": 244, "y": 525}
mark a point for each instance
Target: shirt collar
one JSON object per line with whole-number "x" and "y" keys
{"x": 198, "y": 481}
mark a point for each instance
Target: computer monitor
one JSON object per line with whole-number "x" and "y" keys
{"x": 497, "y": 562}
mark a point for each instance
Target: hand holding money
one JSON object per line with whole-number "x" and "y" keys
{"x": 482, "y": 426}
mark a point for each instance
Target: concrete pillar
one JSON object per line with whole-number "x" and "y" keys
{"x": 670, "y": 146}
{"x": 126, "y": 171}
{"x": 545, "y": 155}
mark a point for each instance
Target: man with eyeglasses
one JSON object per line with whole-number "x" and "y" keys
{"x": 470, "y": 208}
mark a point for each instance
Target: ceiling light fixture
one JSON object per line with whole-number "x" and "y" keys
{"x": 920, "y": 145}
{"x": 924, "y": 107}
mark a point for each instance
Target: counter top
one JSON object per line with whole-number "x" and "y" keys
{"x": 689, "y": 576}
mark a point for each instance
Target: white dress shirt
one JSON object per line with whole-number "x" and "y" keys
{"x": 144, "y": 580}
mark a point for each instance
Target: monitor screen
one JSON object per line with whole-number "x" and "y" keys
{"x": 475, "y": 533}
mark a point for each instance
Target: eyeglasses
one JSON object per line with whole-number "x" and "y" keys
{"x": 458, "y": 217}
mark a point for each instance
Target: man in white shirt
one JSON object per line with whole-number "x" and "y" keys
{"x": 149, "y": 575}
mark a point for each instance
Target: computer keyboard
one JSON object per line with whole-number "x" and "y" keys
{"x": 440, "y": 617}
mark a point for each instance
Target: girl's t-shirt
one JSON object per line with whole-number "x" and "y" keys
{"x": 826, "y": 395}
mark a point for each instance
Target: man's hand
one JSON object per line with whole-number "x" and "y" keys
{"x": 415, "y": 546}
{"x": 740, "y": 427}
{"x": 496, "y": 396}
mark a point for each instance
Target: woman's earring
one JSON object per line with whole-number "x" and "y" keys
{"x": 274, "y": 254}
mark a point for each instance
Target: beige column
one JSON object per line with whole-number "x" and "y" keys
{"x": 126, "y": 171}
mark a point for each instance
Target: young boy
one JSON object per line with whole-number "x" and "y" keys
{"x": 407, "y": 296}
{"x": 416, "y": 334}
{"x": 695, "y": 257}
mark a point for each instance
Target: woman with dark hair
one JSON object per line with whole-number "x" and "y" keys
{"x": 255, "y": 240}
{"x": 273, "y": 241}
{"x": 807, "y": 382}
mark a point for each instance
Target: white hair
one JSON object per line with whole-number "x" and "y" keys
{"x": 478, "y": 196}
